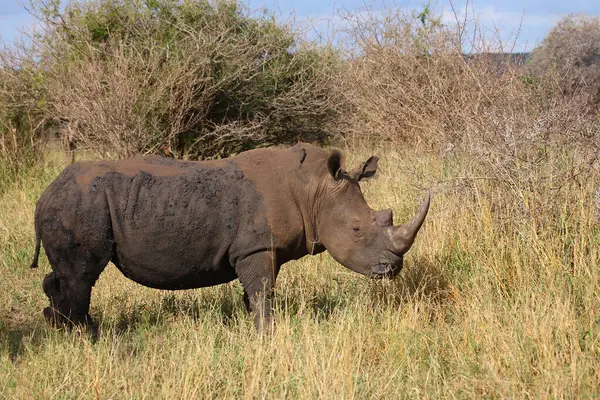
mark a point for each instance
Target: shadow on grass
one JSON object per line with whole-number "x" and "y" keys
{"x": 421, "y": 281}
{"x": 324, "y": 304}
{"x": 321, "y": 305}
{"x": 225, "y": 308}
{"x": 16, "y": 336}
{"x": 217, "y": 307}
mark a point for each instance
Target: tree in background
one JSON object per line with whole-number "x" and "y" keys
{"x": 204, "y": 78}
{"x": 571, "y": 53}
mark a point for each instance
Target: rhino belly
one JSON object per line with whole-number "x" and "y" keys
{"x": 171, "y": 275}
{"x": 167, "y": 253}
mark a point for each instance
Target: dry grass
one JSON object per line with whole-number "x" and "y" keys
{"x": 493, "y": 302}
{"x": 500, "y": 295}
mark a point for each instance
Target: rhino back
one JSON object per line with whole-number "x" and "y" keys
{"x": 174, "y": 225}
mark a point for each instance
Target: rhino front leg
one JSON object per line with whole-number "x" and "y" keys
{"x": 258, "y": 273}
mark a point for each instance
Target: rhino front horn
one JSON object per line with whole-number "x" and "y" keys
{"x": 404, "y": 235}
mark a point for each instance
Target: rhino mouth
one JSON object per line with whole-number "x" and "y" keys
{"x": 385, "y": 270}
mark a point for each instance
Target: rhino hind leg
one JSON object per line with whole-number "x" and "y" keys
{"x": 69, "y": 302}
{"x": 51, "y": 287}
{"x": 69, "y": 285}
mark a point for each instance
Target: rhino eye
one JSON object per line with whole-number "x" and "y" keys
{"x": 356, "y": 229}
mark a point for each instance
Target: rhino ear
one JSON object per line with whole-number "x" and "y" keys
{"x": 368, "y": 169}
{"x": 335, "y": 162}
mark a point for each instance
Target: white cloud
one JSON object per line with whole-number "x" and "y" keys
{"x": 490, "y": 14}
{"x": 517, "y": 31}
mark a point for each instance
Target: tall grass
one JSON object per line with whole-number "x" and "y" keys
{"x": 495, "y": 300}
{"x": 500, "y": 295}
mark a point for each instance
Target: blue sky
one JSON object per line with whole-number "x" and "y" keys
{"x": 538, "y": 15}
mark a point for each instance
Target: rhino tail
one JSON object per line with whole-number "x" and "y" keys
{"x": 38, "y": 240}
{"x": 36, "y": 255}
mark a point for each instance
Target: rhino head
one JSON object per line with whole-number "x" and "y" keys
{"x": 356, "y": 236}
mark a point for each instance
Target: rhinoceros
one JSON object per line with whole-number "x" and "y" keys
{"x": 171, "y": 224}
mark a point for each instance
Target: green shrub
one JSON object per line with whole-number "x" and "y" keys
{"x": 205, "y": 78}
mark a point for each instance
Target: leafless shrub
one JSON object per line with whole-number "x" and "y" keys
{"x": 571, "y": 53}
{"x": 408, "y": 79}
{"x": 22, "y": 113}
{"x": 409, "y": 83}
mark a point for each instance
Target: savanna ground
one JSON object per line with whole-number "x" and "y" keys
{"x": 485, "y": 307}
{"x": 500, "y": 294}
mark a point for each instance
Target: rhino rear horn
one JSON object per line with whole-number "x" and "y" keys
{"x": 404, "y": 235}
